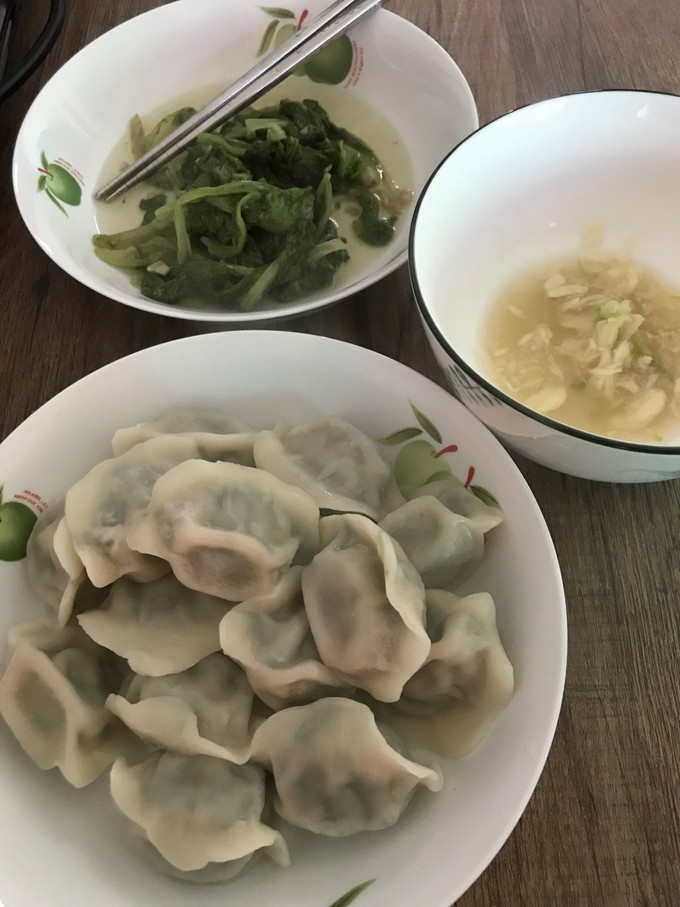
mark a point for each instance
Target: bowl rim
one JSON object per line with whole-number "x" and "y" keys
{"x": 580, "y": 434}
{"x": 300, "y": 307}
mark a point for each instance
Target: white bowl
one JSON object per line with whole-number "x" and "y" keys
{"x": 63, "y": 847}
{"x": 516, "y": 194}
{"x": 187, "y": 52}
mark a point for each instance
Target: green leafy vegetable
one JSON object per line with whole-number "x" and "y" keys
{"x": 246, "y": 211}
{"x": 352, "y": 894}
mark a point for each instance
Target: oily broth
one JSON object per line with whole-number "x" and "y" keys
{"x": 343, "y": 106}
{"x": 539, "y": 352}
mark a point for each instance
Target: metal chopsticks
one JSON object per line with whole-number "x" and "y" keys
{"x": 269, "y": 71}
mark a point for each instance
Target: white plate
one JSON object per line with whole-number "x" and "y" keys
{"x": 174, "y": 53}
{"x": 61, "y": 847}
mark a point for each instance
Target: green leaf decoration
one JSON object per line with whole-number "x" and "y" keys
{"x": 52, "y": 198}
{"x": 277, "y": 12}
{"x": 42, "y": 180}
{"x": 485, "y": 496}
{"x": 443, "y": 476}
{"x": 267, "y": 37}
{"x": 400, "y": 436}
{"x": 43, "y": 160}
{"x": 352, "y": 894}
{"x": 431, "y": 429}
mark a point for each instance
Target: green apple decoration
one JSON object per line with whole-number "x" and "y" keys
{"x": 16, "y": 524}
{"x": 331, "y": 65}
{"x": 417, "y": 464}
{"x": 58, "y": 184}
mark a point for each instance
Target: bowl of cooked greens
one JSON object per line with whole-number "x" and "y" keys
{"x": 297, "y": 202}
{"x": 265, "y": 630}
{"x": 544, "y": 262}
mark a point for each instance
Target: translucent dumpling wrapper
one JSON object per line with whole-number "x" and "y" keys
{"x": 217, "y": 435}
{"x": 366, "y": 606}
{"x": 53, "y": 567}
{"x": 228, "y": 530}
{"x": 205, "y": 709}
{"x": 199, "y": 817}
{"x": 102, "y": 508}
{"x": 451, "y": 703}
{"x": 335, "y": 772}
{"x": 441, "y": 545}
{"x": 454, "y": 495}
{"x": 52, "y": 697}
{"x": 271, "y": 639}
{"x": 160, "y": 627}
{"x": 334, "y": 462}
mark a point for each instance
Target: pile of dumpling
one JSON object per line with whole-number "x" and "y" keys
{"x": 250, "y": 623}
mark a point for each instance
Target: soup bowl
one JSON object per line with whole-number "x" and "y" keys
{"x": 387, "y": 81}
{"x": 517, "y": 195}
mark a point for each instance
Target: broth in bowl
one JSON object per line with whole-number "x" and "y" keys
{"x": 594, "y": 342}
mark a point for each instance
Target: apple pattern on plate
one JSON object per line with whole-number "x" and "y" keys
{"x": 330, "y": 66}
{"x": 16, "y": 524}
{"x": 58, "y": 183}
{"x": 419, "y": 461}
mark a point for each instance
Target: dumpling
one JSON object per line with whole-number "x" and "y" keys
{"x": 103, "y": 506}
{"x": 459, "y": 499}
{"x": 335, "y": 772}
{"x": 466, "y": 681}
{"x": 205, "y": 709}
{"x": 54, "y": 570}
{"x": 270, "y": 638}
{"x": 366, "y": 606}
{"x": 160, "y": 627}
{"x": 226, "y": 529}
{"x": 52, "y": 697}
{"x": 334, "y": 462}
{"x": 439, "y": 543}
{"x": 199, "y": 817}
{"x": 217, "y": 435}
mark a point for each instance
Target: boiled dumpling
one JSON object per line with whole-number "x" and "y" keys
{"x": 103, "y": 506}
{"x": 52, "y": 697}
{"x": 226, "y": 529}
{"x": 217, "y": 435}
{"x": 366, "y": 606}
{"x": 53, "y": 567}
{"x": 334, "y": 462}
{"x": 454, "y": 495}
{"x": 271, "y": 639}
{"x": 439, "y": 543}
{"x": 335, "y": 772}
{"x": 205, "y": 709}
{"x": 467, "y": 680}
{"x": 199, "y": 817}
{"x": 160, "y": 627}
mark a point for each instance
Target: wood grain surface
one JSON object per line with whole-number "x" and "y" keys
{"x": 602, "y": 827}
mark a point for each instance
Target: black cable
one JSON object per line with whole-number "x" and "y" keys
{"x": 38, "y": 51}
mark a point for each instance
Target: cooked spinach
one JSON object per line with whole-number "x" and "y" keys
{"x": 246, "y": 211}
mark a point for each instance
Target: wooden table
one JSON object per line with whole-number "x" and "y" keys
{"x": 602, "y": 828}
